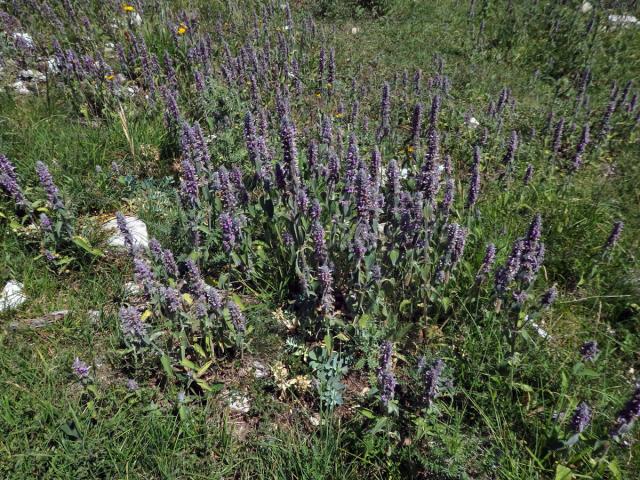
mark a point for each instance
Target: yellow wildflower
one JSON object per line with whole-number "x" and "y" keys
{"x": 109, "y": 77}
{"x": 182, "y": 29}
{"x": 318, "y": 94}
{"x": 339, "y": 115}
{"x": 128, "y": 8}
{"x": 410, "y": 149}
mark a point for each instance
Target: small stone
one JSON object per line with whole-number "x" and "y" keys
{"x": 623, "y": 20}
{"x": 131, "y": 289}
{"x": 239, "y": 404}
{"x": 473, "y": 123}
{"x": 12, "y": 296}
{"x": 21, "y": 87}
{"x": 586, "y": 7}
{"x": 23, "y": 38}
{"x": 32, "y": 76}
{"x": 260, "y": 370}
{"x": 137, "y": 228}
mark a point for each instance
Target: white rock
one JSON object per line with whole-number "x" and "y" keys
{"x": 137, "y": 228}
{"x": 260, "y": 370}
{"x": 239, "y": 404}
{"x": 108, "y": 48}
{"x": 623, "y": 20}
{"x": 541, "y": 331}
{"x": 404, "y": 173}
{"x": 52, "y": 65}
{"x": 12, "y": 296}
{"x": 32, "y": 76}
{"x": 21, "y": 87}
{"x": 586, "y": 7}
{"x": 354, "y": 30}
{"x": 131, "y": 289}
{"x": 473, "y": 122}
{"x": 136, "y": 19}
{"x": 25, "y": 38}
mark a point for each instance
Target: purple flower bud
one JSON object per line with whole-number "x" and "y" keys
{"x": 124, "y": 231}
{"x": 228, "y": 228}
{"x": 416, "y": 124}
{"x": 144, "y": 275}
{"x": 312, "y": 157}
{"x": 288, "y": 139}
{"x": 589, "y": 351}
{"x": 196, "y": 284}
{"x": 628, "y": 415}
{"x": 327, "y": 130}
{"x": 189, "y": 184}
{"x": 435, "y": 110}
{"x": 474, "y": 186}
{"x": 156, "y": 250}
{"x": 507, "y": 273}
{"x": 511, "y": 149}
{"x": 325, "y": 278}
{"x": 319, "y": 245}
{"x": 53, "y": 194}
{"x": 487, "y": 263}
{"x": 528, "y": 174}
{"x": 432, "y": 381}
{"x": 614, "y": 236}
{"x": 169, "y": 263}
{"x": 557, "y": 136}
{"x": 386, "y": 378}
{"x": 132, "y": 385}
{"x": 131, "y": 323}
{"x": 237, "y": 318}
{"x": 549, "y": 297}
{"x": 80, "y": 369}
{"x": 581, "y": 148}
{"x": 333, "y": 167}
{"x": 9, "y": 181}
{"x": 581, "y": 418}
{"x": 45, "y": 223}
{"x": 171, "y": 299}
{"x": 449, "y": 193}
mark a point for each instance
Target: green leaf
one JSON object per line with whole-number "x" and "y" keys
{"x": 614, "y": 469}
{"x": 367, "y": 413}
{"x": 186, "y": 363}
{"x": 393, "y": 256}
{"x": 166, "y": 364}
{"x": 86, "y": 246}
{"x": 563, "y": 473}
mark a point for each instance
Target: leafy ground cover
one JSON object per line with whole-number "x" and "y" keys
{"x": 395, "y": 239}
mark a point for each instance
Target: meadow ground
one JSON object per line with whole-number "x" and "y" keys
{"x": 394, "y": 238}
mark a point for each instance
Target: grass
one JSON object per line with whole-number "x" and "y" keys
{"x": 495, "y": 421}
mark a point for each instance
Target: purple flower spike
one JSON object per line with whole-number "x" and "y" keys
{"x": 189, "y": 184}
{"x": 121, "y": 221}
{"x": 549, "y": 297}
{"x": 432, "y": 381}
{"x": 228, "y": 228}
{"x": 9, "y": 181}
{"x": 131, "y": 323}
{"x": 581, "y": 418}
{"x": 386, "y": 378}
{"x": 614, "y": 236}
{"x": 487, "y": 263}
{"x": 628, "y": 415}
{"x": 474, "y": 186}
{"x": 237, "y": 318}
{"x": 53, "y": 194}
